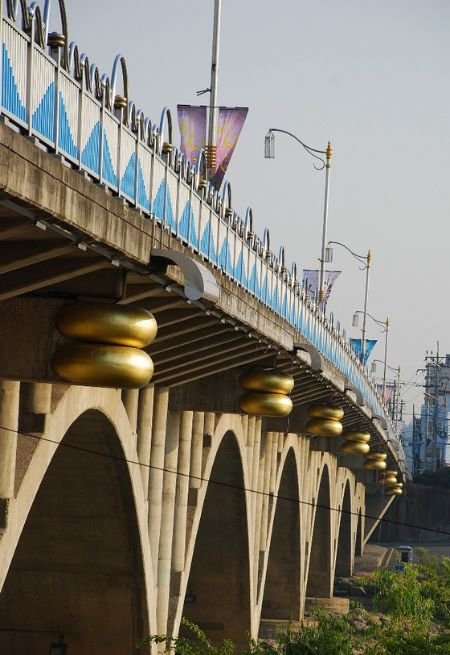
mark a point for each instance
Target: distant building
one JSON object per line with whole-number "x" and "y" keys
{"x": 430, "y": 442}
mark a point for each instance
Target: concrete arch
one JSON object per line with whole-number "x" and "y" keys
{"x": 74, "y": 403}
{"x": 281, "y": 585}
{"x": 319, "y": 567}
{"x": 344, "y": 533}
{"x": 219, "y": 548}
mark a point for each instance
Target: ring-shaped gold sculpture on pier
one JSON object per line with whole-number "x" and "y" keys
{"x": 374, "y": 464}
{"x": 394, "y": 491}
{"x": 379, "y": 457}
{"x": 99, "y": 365}
{"x": 94, "y": 322}
{"x": 355, "y": 448}
{"x": 265, "y": 404}
{"x": 387, "y": 481}
{"x": 322, "y": 427}
{"x": 269, "y": 380}
{"x": 325, "y": 411}
{"x": 356, "y": 436}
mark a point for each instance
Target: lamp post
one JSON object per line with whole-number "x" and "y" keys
{"x": 384, "y": 325}
{"x": 211, "y": 147}
{"x": 396, "y": 370}
{"x": 365, "y": 261}
{"x": 269, "y": 153}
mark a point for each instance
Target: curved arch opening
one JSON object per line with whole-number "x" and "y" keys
{"x": 78, "y": 569}
{"x": 344, "y": 555}
{"x": 319, "y": 575}
{"x": 282, "y": 587}
{"x": 218, "y": 592}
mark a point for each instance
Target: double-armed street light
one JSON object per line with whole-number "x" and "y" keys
{"x": 397, "y": 386}
{"x": 365, "y": 261}
{"x": 269, "y": 153}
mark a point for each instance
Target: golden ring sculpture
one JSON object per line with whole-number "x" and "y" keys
{"x": 379, "y": 457}
{"x": 375, "y": 464}
{"x": 394, "y": 492}
{"x": 267, "y": 380}
{"x": 321, "y": 427}
{"x": 101, "y": 365}
{"x": 356, "y": 436}
{"x": 325, "y": 411}
{"x": 387, "y": 481}
{"x": 355, "y": 448}
{"x": 265, "y": 404}
{"x": 94, "y": 322}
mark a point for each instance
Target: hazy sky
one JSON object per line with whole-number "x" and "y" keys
{"x": 371, "y": 76}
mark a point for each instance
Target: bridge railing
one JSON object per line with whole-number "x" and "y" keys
{"x": 55, "y": 96}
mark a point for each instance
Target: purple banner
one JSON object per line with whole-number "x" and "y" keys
{"x": 230, "y": 124}
{"x": 192, "y": 123}
{"x": 311, "y": 282}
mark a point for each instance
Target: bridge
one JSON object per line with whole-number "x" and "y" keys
{"x": 124, "y": 508}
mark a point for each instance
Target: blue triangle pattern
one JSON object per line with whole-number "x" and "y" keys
{"x": 65, "y": 138}
{"x": 225, "y": 258}
{"x": 253, "y": 283}
{"x": 162, "y": 206}
{"x": 240, "y": 271}
{"x": 143, "y": 199}
{"x": 43, "y": 120}
{"x": 186, "y": 226}
{"x": 10, "y": 95}
{"x": 91, "y": 154}
{"x": 207, "y": 248}
{"x": 108, "y": 172}
{"x": 129, "y": 177}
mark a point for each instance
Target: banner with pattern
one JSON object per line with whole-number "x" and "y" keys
{"x": 311, "y": 282}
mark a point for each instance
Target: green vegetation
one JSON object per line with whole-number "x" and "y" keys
{"x": 411, "y": 616}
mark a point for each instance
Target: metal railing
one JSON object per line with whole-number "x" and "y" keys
{"x": 53, "y": 94}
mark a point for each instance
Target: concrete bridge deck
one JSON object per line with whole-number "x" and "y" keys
{"x": 123, "y": 510}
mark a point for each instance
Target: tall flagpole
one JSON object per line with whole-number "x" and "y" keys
{"x": 211, "y": 147}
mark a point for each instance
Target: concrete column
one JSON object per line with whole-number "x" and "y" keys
{"x": 37, "y": 397}
{"x": 181, "y": 502}
{"x": 273, "y": 465}
{"x": 144, "y": 432}
{"x": 155, "y": 478}
{"x": 9, "y": 423}
{"x": 255, "y": 464}
{"x": 167, "y": 522}
{"x": 258, "y": 512}
{"x": 250, "y": 444}
{"x": 210, "y": 423}
{"x": 197, "y": 449}
{"x": 265, "y": 497}
{"x": 130, "y": 399}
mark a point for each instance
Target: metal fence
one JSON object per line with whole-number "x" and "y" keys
{"x": 53, "y": 94}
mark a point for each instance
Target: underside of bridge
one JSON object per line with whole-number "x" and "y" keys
{"x": 77, "y": 569}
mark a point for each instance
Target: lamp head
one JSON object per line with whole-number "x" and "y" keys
{"x": 373, "y": 367}
{"x": 355, "y": 320}
{"x": 328, "y": 255}
{"x": 269, "y": 145}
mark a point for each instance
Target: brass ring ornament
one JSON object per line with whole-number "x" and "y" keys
{"x": 265, "y": 404}
{"x": 267, "y": 381}
{"x": 378, "y": 457}
{"x": 374, "y": 464}
{"x": 100, "y": 365}
{"x": 394, "y": 491}
{"x": 325, "y": 411}
{"x": 355, "y": 448}
{"x": 322, "y": 427}
{"x": 121, "y": 325}
{"x": 356, "y": 437}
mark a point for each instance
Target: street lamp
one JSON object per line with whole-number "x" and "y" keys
{"x": 384, "y": 325}
{"x": 396, "y": 370}
{"x": 365, "y": 261}
{"x": 269, "y": 153}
